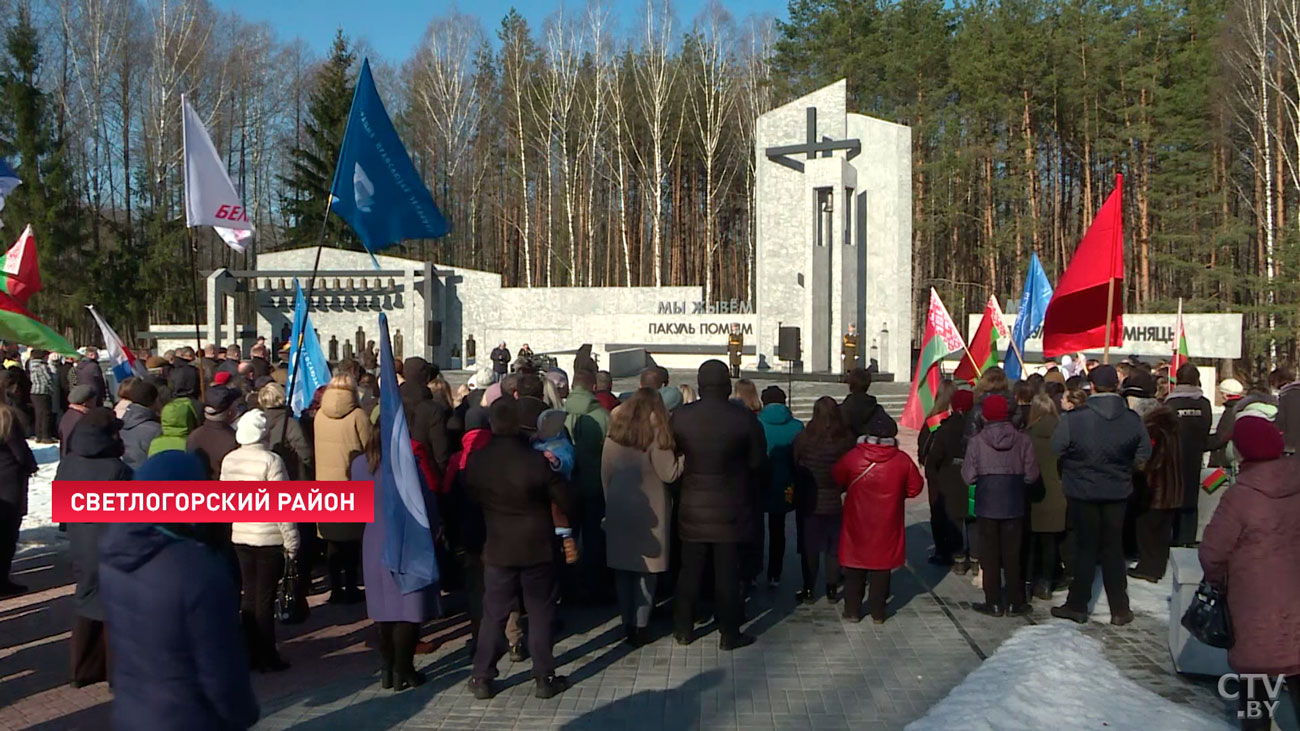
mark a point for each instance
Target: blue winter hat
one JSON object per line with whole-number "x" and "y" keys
{"x": 172, "y": 465}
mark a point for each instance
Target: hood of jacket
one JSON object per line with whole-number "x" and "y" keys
{"x": 413, "y": 391}
{"x": 1181, "y": 391}
{"x": 1000, "y": 435}
{"x": 136, "y": 415}
{"x": 1274, "y": 478}
{"x": 336, "y": 403}
{"x": 1109, "y": 406}
{"x": 87, "y": 440}
{"x": 128, "y": 546}
{"x": 184, "y": 379}
{"x": 877, "y": 452}
{"x": 416, "y": 369}
{"x": 581, "y": 402}
{"x": 178, "y": 418}
{"x": 775, "y": 415}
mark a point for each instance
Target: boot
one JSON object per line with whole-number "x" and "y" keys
{"x": 832, "y": 593}
{"x": 404, "y": 673}
{"x": 385, "y": 654}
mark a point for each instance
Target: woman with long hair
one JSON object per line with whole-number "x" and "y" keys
{"x": 689, "y": 396}
{"x": 341, "y": 429}
{"x": 1047, "y": 502}
{"x": 397, "y": 615}
{"x": 746, "y": 394}
{"x": 1163, "y": 497}
{"x": 17, "y": 464}
{"x": 946, "y": 533}
{"x": 818, "y": 447}
{"x": 638, "y": 461}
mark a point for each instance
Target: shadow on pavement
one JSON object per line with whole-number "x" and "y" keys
{"x": 675, "y": 708}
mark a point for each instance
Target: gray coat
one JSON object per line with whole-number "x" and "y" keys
{"x": 638, "y": 508}
{"x": 1101, "y": 445}
{"x": 139, "y": 427}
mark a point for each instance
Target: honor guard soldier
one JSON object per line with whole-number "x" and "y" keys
{"x": 850, "y": 350}
{"x": 735, "y": 344}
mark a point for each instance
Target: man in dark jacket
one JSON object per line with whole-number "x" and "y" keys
{"x": 172, "y": 609}
{"x": 79, "y": 402}
{"x": 500, "y": 360}
{"x": 1100, "y": 445}
{"x": 214, "y": 438}
{"x": 184, "y": 377}
{"x": 720, "y": 505}
{"x": 425, "y": 415}
{"x": 1288, "y": 407}
{"x": 1193, "y": 411}
{"x": 261, "y": 366}
{"x": 140, "y": 423}
{"x": 517, "y": 489}
{"x": 89, "y": 373}
{"x": 231, "y": 363}
{"x": 861, "y": 411}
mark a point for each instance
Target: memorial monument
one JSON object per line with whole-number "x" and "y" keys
{"x": 834, "y": 200}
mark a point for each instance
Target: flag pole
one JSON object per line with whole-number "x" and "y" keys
{"x": 1019, "y": 355}
{"x": 296, "y": 348}
{"x": 194, "y": 290}
{"x": 1110, "y": 312}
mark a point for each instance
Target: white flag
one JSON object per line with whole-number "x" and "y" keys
{"x": 210, "y": 197}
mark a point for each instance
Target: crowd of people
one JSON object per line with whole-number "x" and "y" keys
{"x": 553, "y": 490}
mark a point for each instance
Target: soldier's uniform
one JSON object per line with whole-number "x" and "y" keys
{"x": 850, "y": 352}
{"x": 735, "y": 345}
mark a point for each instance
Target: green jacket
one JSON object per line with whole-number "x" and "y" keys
{"x": 178, "y": 420}
{"x": 587, "y": 422}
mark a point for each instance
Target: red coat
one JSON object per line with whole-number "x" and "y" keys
{"x": 871, "y": 536}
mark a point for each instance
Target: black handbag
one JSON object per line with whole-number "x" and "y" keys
{"x": 290, "y": 607}
{"x": 1207, "y": 618}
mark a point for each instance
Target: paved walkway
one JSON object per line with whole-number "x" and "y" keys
{"x": 807, "y": 670}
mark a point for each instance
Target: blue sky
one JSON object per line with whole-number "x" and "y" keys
{"x": 393, "y": 27}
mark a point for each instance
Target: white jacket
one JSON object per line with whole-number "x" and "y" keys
{"x": 256, "y": 463}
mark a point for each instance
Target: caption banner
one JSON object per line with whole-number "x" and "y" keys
{"x": 78, "y": 501}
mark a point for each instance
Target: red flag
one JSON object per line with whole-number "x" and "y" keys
{"x": 984, "y": 344}
{"x": 21, "y": 273}
{"x": 1076, "y": 316}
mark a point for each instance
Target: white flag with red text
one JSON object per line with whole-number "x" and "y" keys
{"x": 210, "y": 197}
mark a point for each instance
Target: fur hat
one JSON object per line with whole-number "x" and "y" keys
{"x": 1231, "y": 387}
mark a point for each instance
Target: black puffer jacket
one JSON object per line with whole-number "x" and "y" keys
{"x": 184, "y": 379}
{"x": 943, "y": 453}
{"x": 865, "y": 416}
{"x": 1100, "y": 445}
{"x": 426, "y": 416}
{"x": 725, "y": 452}
{"x": 94, "y": 453}
{"x": 290, "y": 443}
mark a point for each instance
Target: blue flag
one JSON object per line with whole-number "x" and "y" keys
{"x": 409, "y": 518}
{"x": 314, "y": 370}
{"x": 1033, "y": 307}
{"x": 376, "y": 189}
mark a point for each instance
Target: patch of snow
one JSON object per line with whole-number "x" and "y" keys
{"x": 1051, "y": 676}
{"x": 39, "y": 503}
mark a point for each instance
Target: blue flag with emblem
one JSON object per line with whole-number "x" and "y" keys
{"x": 1033, "y": 308}
{"x": 376, "y": 188}
{"x": 313, "y": 369}
{"x": 410, "y": 519}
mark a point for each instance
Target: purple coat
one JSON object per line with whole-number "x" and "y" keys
{"x": 384, "y": 601}
{"x": 1000, "y": 462}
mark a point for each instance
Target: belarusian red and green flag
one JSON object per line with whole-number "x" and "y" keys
{"x": 941, "y": 339}
{"x": 1180, "y": 346}
{"x": 984, "y": 345}
{"x": 20, "y": 278}
{"x": 22, "y": 272}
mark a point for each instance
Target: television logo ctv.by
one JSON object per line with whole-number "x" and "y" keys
{"x": 1232, "y": 685}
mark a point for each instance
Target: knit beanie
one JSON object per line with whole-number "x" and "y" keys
{"x": 1257, "y": 439}
{"x": 994, "y": 407}
{"x": 251, "y": 427}
{"x": 962, "y": 400}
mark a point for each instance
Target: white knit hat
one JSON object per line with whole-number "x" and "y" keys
{"x": 251, "y": 427}
{"x": 1231, "y": 387}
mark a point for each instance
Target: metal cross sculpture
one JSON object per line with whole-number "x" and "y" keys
{"x": 811, "y": 146}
